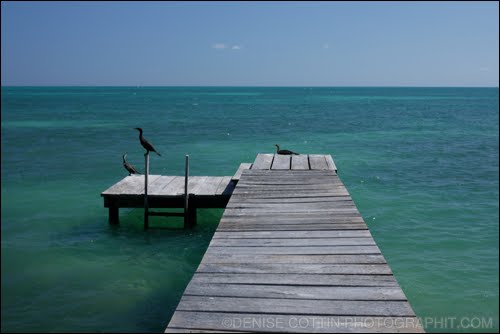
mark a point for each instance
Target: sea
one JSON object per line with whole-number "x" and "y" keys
{"x": 421, "y": 165}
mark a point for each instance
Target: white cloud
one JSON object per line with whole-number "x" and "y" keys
{"x": 326, "y": 46}
{"x": 219, "y": 46}
{"x": 223, "y": 46}
{"x": 484, "y": 69}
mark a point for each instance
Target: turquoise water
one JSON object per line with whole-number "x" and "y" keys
{"x": 420, "y": 163}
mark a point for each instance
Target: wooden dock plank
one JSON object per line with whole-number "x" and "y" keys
{"x": 296, "y": 268}
{"x": 243, "y": 166}
{"x": 133, "y": 184}
{"x": 161, "y": 182}
{"x": 294, "y": 227}
{"x": 263, "y": 161}
{"x": 291, "y": 235}
{"x": 295, "y": 306}
{"x": 330, "y": 163}
{"x": 286, "y": 323}
{"x": 208, "y": 187}
{"x": 226, "y": 186}
{"x": 297, "y": 250}
{"x": 295, "y": 292}
{"x": 288, "y": 193}
{"x": 295, "y": 279}
{"x": 291, "y": 206}
{"x": 318, "y": 161}
{"x": 368, "y": 241}
{"x": 300, "y": 162}
{"x": 174, "y": 188}
{"x": 281, "y": 162}
{"x": 293, "y": 258}
{"x": 194, "y": 183}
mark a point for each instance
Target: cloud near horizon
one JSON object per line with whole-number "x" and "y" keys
{"x": 222, "y": 46}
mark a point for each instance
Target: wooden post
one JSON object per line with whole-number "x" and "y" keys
{"x": 192, "y": 219}
{"x": 113, "y": 215}
{"x": 186, "y": 193}
{"x": 146, "y": 205}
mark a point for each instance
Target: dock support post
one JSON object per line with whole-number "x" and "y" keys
{"x": 113, "y": 215}
{"x": 186, "y": 192}
{"x": 192, "y": 217}
{"x": 146, "y": 205}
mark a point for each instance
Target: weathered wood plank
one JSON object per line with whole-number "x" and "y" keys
{"x": 130, "y": 185}
{"x": 291, "y": 206}
{"x": 298, "y": 250}
{"x": 296, "y": 279}
{"x": 243, "y": 166}
{"x": 313, "y": 216}
{"x": 296, "y": 200}
{"x": 208, "y": 186}
{"x": 287, "y": 258}
{"x": 195, "y": 183}
{"x": 174, "y": 188}
{"x": 300, "y": 162}
{"x": 295, "y": 292}
{"x": 197, "y": 330}
{"x": 239, "y": 223}
{"x": 318, "y": 161}
{"x": 309, "y": 179}
{"x": 281, "y": 162}
{"x": 290, "y": 194}
{"x": 299, "y": 217}
{"x": 295, "y": 306}
{"x": 290, "y": 211}
{"x": 295, "y": 227}
{"x": 225, "y": 187}
{"x": 300, "y": 323}
{"x": 293, "y": 172}
{"x": 291, "y": 183}
{"x": 330, "y": 162}
{"x": 263, "y": 161}
{"x": 291, "y": 235}
{"x": 292, "y": 187}
{"x": 293, "y": 242}
{"x": 243, "y": 196}
{"x": 161, "y": 182}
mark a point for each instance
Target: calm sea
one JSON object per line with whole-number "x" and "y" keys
{"x": 420, "y": 163}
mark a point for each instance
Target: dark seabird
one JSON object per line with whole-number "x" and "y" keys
{"x": 147, "y": 145}
{"x": 131, "y": 169}
{"x": 285, "y": 152}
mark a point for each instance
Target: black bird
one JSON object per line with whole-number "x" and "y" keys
{"x": 131, "y": 169}
{"x": 147, "y": 145}
{"x": 285, "y": 152}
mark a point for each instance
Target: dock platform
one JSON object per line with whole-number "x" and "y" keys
{"x": 292, "y": 254}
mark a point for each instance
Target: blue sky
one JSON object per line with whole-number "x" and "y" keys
{"x": 250, "y": 43}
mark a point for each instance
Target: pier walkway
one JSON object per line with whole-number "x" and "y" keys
{"x": 292, "y": 254}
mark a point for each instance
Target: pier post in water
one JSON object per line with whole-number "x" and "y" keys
{"x": 186, "y": 192}
{"x": 114, "y": 215}
{"x": 146, "y": 205}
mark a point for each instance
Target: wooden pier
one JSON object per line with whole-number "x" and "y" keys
{"x": 292, "y": 254}
{"x": 168, "y": 192}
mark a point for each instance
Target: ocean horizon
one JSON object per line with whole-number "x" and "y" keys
{"x": 421, "y": 164}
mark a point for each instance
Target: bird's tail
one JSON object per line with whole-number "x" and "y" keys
{"x": 158, "y": 153}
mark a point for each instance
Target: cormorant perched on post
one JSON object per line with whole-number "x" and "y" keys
{"x": 147, "y": 145}
{"x": 131, "y": 169}
{"x": 285, "y": 152}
